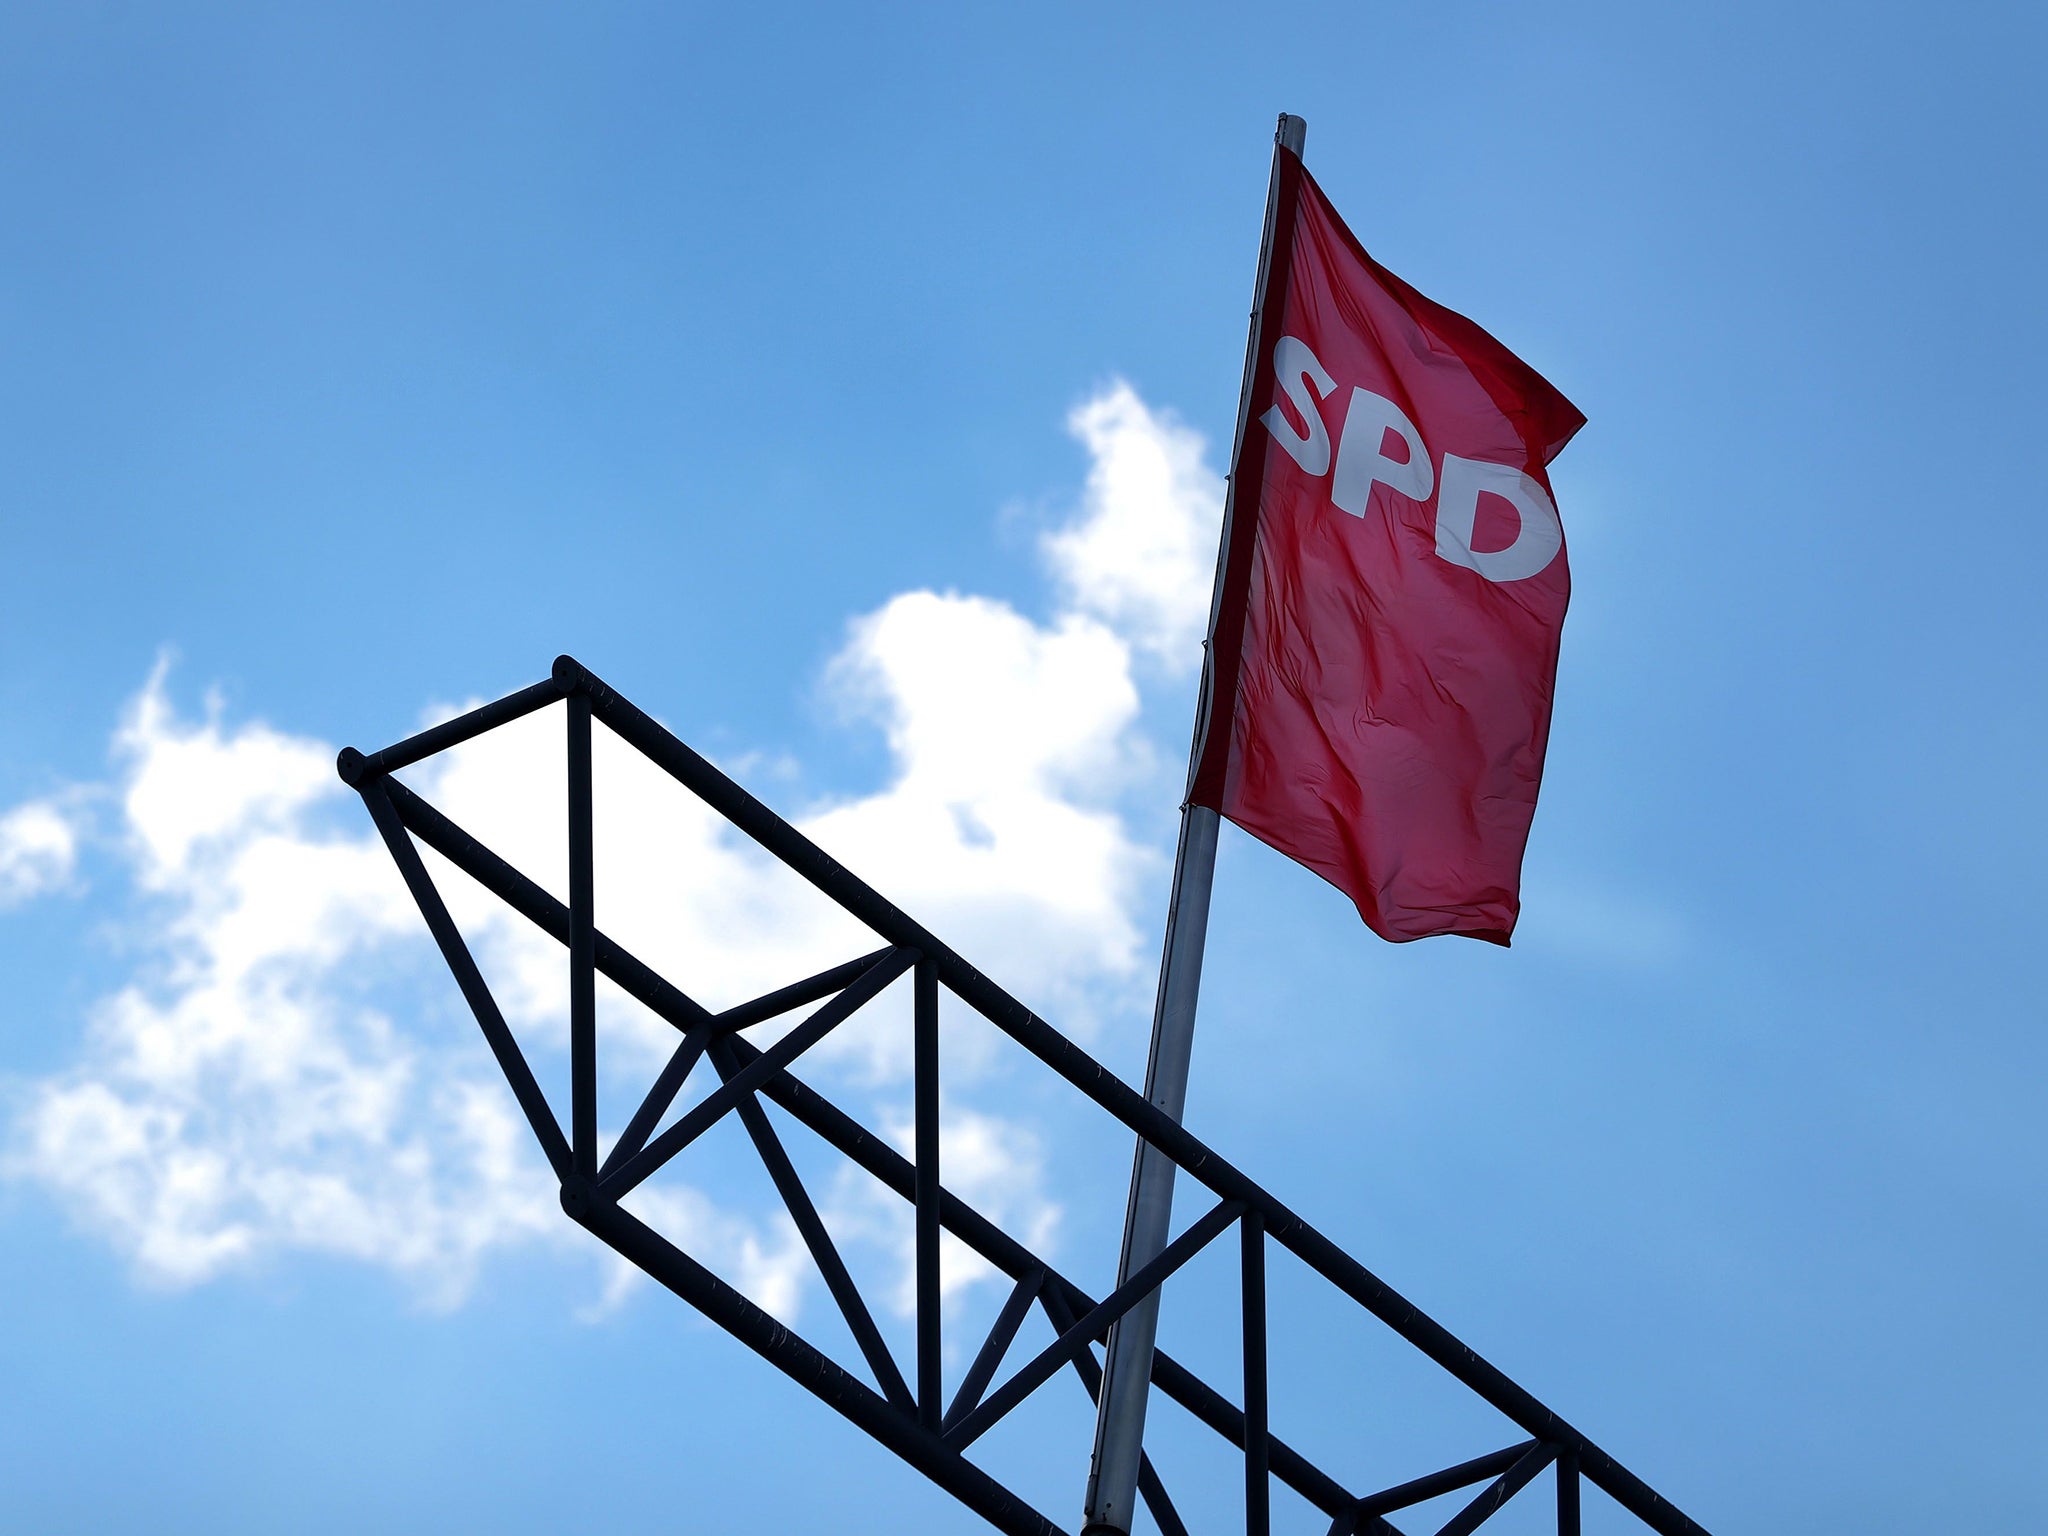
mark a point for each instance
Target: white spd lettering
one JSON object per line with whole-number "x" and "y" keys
{"x": 1372, "y": 423}
{"x": 1362, "y": 458}
{"x": 1537, "y": 542}
{"x": 1295, "y": 366}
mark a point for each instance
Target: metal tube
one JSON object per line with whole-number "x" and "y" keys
{"x": 1258, "y": 1486}
{"x": 1127, "y": 1369}
{"x": 497, "y": 1034}
{"x": 1001, "y": 1335}
{"x": 772, "y": 1004}
{"x": 1463, "y": 1475}
{"x": 1568, "y": 1495}
{"x": 667, "y": 1084}
{"x": 824, "y": 1252}
{"x": 1120, "y": 1415}
{"x": 582, "y": 947}
{"x": 925, "y": 1133}
{"x": 1505, "y": 1487}
{"x": 356, "y": 769}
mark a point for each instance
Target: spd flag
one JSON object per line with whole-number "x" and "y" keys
{"x": 1384, "y": 645}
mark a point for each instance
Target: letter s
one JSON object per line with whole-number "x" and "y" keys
{"x": 1293, "y": 366}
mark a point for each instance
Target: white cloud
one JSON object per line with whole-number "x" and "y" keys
{"x": 288, "y": 1069}
{"x": 195, "y": 795}
{"x": 242, "y": 1093}
{"x": 1012, "y": 742}
{"x": 38, "y": 851}
{"x": 1142, "y": 556}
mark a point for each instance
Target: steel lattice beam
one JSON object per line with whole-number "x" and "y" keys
{"x": 908, "y": 1415}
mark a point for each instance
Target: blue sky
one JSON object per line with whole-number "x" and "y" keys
{"x": 791, "y": 368}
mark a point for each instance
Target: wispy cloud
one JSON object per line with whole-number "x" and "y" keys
{"x": 38, "y": 850}
{"x": 1142, "y": 554}
{"x": 285, "y": 1069}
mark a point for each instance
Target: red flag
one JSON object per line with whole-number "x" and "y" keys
{"x": 1393, "y": 589}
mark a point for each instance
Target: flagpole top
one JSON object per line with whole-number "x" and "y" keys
{"x": 1293, "y": 133}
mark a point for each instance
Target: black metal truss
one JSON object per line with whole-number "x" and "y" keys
{"x": 908, "y": 1415}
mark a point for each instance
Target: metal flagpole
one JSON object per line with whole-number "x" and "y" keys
{"x": 1120, "y": 1413}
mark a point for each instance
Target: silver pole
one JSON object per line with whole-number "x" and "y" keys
{"x": 1127, "y": 1373}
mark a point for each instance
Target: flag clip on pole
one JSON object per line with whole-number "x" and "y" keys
{"x": 1120, "y": 1411}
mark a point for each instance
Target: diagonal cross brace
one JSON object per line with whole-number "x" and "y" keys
{"x": 677, "y": 1069}
{"x": 1001, "y": 1335}
{"x": 1464, "y": 1475}
{"x": 497, "y": 1034}
{"x": 797, "y": 994}
{"x": 792, "y": 1045}
{"x": 1498, "y": 1492}
{"x": 667, "y": 1084}
{"x": 1091, "y": 1328}
{"x": 824, "y": 1253}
